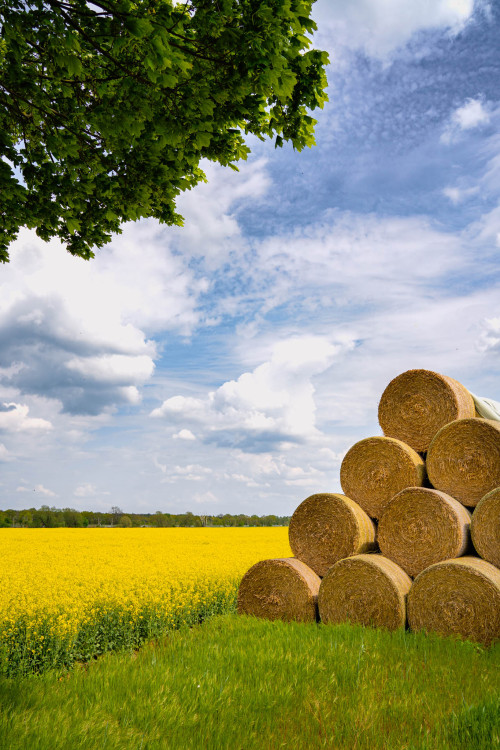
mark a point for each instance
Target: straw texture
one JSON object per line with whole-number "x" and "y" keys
{"x": 457, "y": 597}
{"x": 421, "y": 526}
{"x": 485, "y": 527}
{"x": 327, "y": 527}
{"x": 464, "y": 459}
{"x": 365, "y": 589}
{"x": 279, "y": 589}
{"x": 417, "y": 403}
{"x": 377, "y": 468}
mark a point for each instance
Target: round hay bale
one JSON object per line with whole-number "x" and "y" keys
{"x": 457, "y": 597}
{"x": 485, "y": 527}
{"x": 279, "y": 589}
{"x": 420, "y": 527}
{"x": 417, "y": 403}
{"x": 377, "y": 468}
{"x": 464, "y": 459}
{"x": 327, "y": 527}
{"x": 365, "y": 589}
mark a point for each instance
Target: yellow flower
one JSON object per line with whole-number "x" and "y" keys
{"x": 65, "y": 576}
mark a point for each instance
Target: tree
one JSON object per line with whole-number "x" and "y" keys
{"x": 107, "y": 107}
{"x": 116, "y": 512}
{"x": 125, "y": 521}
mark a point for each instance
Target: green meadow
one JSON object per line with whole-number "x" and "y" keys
{"x": 242, "y": 683}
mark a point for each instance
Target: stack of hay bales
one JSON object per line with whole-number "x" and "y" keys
{"x": 415, "y": 539}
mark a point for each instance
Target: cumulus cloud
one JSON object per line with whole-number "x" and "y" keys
{"x": 211, "y": 228}
{"x": 83, "y": 332}
{"x": 381, "y": 26}
{"x": 184, "y": 435}
{"x": 489, "y": 338}
{"x": 88, "y": 490}
{"x": 77, "y": 331}
{"x": 14, "y": 418}
{"x": 39, "y": 488}
{"x": 189, "y": 472}
{"x": 470, "y": 115}
{"x": 271, "y": 405}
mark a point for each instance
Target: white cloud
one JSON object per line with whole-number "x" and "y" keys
{"x": 5, "y": 455}
{"x": 489, "y": 337}
{"x": 205, "y": 498}
{"x": 184, "y": 435}
{"x": 274, "y": 403}
{"x": 115, "y": 369}
{"x": 180, "y": 405}
{"x": 38, "y": 488}
{"x": 457, "y": 195}
{"x": 470, "y": 115}
{"x": 381, "y": 26}
{"x": 211, "y": 228}
{"x": 85, "y": 490}
{"x": 354, "y": 259}
{"x": 87, "y": 324}
{"x": 14, "y": 418}
{"x": 88, "y": 490}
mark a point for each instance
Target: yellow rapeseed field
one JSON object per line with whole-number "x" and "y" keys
{"x": 56, "y": 582}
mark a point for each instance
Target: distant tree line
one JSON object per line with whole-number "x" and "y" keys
{"x": 49, "y": 518}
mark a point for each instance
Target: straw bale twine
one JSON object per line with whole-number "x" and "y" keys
{"x": 327, "y": 527}
{"x": 279, "y": 589}
{"x": 365, "y": 589}
{"x": 457, "y": 597}
{"x": 417, "y": 403}
{"x": 377, "y": 468}
{"x": 485, "y": 527}
{"x": 464, "y": 459}
{"x": 421, "y": 526}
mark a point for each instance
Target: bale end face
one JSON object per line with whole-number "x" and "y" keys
{"x": 327, "y": 527}
{"x": 485, "y": 527}
{"x": 458, "y": 598}
{"x": 365, "y": 589}
{"x": 377, "y": 468}
{"x": 421, "y": 526}
{"x": 417, "y": 403}
{"x": 464, "y": 459}
{"x": 279, "y": 589}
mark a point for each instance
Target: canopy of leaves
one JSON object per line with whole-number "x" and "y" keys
{"x": 107, "y": 107}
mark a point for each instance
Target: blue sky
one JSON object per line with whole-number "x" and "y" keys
{"x": 229, "y": 365}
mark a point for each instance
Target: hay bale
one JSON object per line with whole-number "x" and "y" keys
{"x": 279, "y": 589}
{"x": 377, "y": 468}
{"x": 327, "y": 527}
{"x": 457, "y": 597}
{"x": 464, "y": 459}
{"x": 485, "y": 527}
{"x": 421, "y": 526}
{"x": 417, "y": 403}
{"x": 365, "y": 589}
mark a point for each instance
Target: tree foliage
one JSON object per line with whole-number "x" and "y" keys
{"x": 47, "y": 517}
{"x": 107, "y": 107}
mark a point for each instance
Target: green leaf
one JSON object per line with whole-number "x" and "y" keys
{"x": 109, "y": 123}
{"x": 73, "y": 225}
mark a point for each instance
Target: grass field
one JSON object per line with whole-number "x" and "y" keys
{"x": 246, "y": 684}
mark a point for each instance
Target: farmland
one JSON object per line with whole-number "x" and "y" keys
{"x": 178, "y": 668}
{"x": 71, "y": 594}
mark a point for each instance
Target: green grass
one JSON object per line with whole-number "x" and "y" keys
{"x": 248, "y": 684}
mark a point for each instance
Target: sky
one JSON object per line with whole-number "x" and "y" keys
{"x": 228, "y": 366}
